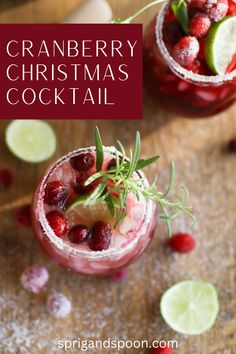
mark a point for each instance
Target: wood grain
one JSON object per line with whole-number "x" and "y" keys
{"x": 129, "y": 310}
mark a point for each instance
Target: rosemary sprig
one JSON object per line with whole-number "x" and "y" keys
{"x": 99, "y": 149}
{"x": 116, "y": 183}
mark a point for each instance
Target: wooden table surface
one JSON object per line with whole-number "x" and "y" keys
{"x": 129, "y": 310}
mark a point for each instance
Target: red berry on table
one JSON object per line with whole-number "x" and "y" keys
{"x": 216, "y": 9}
{"x": 6, "y": 177}
{"x": 57, "y": 222}
{"x": 199, "y": 25}
{"x": 232, "y": 145}
{"x": 82, "y": 162}
{"x": 182, "y": 243}
{"x": 34, "y": 278}
{"x": 100, "y": 236}
{"x": 78, "y": 234}
{"x": 56, "y": 193}
{"x": 166, "y": 350}
{"x": 186, "y": 50}
{"x": 23, "y": 215}
{"x": 120, "y": 275}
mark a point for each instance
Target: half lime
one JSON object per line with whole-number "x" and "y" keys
{"x": 190, "y": 307}
{"x": 220, "y": 46}
{"x": 31, "y": 140}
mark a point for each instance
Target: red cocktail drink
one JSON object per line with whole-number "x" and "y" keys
{"x": 84, "y": 238}
{"x": 176, "y": 69}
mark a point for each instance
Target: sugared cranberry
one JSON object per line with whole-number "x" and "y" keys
{"x": 79, "y": 186}
{"x": 182, "y": 243}
{"x": 56, "y": 193}
{"x": 34, "y": 278}
{"x": 82, "y": 162}
{"x": 216, "y": 9}
{"x": 58, "y": 305}
{"x": 232, "y": 145}
{"x": 186, "y": 51}
{"x": 78, "y": 234}
{"x": 199, "y": 25}
{"x": 58, "y": 222}
{"x": 100, "y": 236}
{"x": 23, "y": 215}
{"x": 6, "y": 178}
{"x": 166, "y": 350}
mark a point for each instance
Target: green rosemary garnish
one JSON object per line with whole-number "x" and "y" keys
{"x": 116, "y": 183}
{"x": 99, "y": 149}
{"x": 181, "y": 12}
{"x": 131, "y": 18}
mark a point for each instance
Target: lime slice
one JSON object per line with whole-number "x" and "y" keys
{"x": 221, "y": 45}
{"x": 90, "y": 213}
{"x": 190, "y": 307}
{"x": 31, "y": 140}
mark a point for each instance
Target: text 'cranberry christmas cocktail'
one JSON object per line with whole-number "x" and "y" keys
{"x": 94, "y": 211}
{"x": 190, "y": 56}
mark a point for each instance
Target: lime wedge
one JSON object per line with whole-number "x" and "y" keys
{"x": 190, "y": 307}
{"x": 221, "y": 45}
{"x": 31, "y": 140}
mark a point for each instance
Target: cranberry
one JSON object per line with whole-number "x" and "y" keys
{"x": 78, "y": 234}
{"x": 186, "y": 51}
{"x": 58, "y": 305}
{"x": 23, "y": 215}
{"x": 82, "y": 162}
{"x": 120, "y": 276}
{"x": 216, "y": 9}
{"x": 166, "y": 350}
{"x": 111, "y": 164}
{"x": 58, "y": 222}
{"x": 34, "y": 278}
{"x": 232, "y": 145}
{"x": 182, "y": 243}
{"x": 100, "y": 236}
{"x": 6, "y": 178}
{"x": 199, "y": 25}
{"x": 79, "y": 186}
{"x": 56, "y": 193}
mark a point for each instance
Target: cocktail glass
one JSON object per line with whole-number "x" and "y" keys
{"x": 179, "y": 90}
{"x": 128, "y": 242}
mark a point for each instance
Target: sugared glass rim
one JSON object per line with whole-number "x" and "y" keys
{"x": 72, "y": 250}
{"x": 178, "y": 69}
